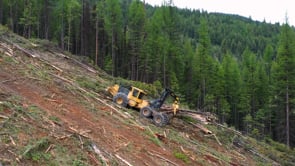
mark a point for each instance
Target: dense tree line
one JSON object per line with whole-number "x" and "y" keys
{"x": 240, "y": 69}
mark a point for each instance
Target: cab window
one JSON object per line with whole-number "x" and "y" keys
{"x": 135, "y": 93}
{"x": 141, "y": 95}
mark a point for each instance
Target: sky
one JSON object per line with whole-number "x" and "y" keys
{"x": 272, "y": 11}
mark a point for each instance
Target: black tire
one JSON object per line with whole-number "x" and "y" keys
{"x": 160, "y": 119}
{"x": 146, "y": 112}
{"x": 121, "y": 99}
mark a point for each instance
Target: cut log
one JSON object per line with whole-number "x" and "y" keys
{"x": 88, "y": 68}
{"x": 204, "y": 129}
{"x": 98, "y": 152}
{"x": 82, "y": 132}
{"x": 49, "y": 148}
{"x": 12, "y": 141}
{"x": 126, "y": 162}
{"x": 4, "y": 117}
{"x": 215, "y": 138}
{"x": 161, "y": 157}
{"x": 94, "y": 159}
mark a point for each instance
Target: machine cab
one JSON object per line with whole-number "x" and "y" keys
{"x": 136, "y": 94}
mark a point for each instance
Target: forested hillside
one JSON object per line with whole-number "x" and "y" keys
{"x": 240, "y": 69}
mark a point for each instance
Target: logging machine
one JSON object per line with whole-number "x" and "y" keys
{"x": 133, "y": 97}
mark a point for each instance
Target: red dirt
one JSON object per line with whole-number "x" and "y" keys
{"x": 107, "y": 132}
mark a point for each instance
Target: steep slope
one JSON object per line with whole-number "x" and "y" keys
{"x": 54, "y": 111}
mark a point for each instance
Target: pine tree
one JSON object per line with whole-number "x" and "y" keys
{"x": 265, "y": 114}
{"x": 29, "y": 19}
{"x": 261, "y": 94}
{"x": 232, "y": 88}
{"x": 187, "y": 84}
{"x": 204, "y": 64}
{"x": 113, "y": 25}
{"x": 72, "y": 11}
{"x": 284, "y": 86}
{"x": 136, "y": 22}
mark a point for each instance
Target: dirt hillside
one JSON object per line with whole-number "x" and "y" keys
{"x": 54, "y": 111}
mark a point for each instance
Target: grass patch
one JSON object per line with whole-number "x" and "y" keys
{"x": 35, "y": 112}
{"x": 188, "y": 119}
{"x": 152, "y": 137}
{"x": 177, "y": 137}
{"x": 181, "y": 156}
{"x": 35, "y": 150}
{"x": 36, "y": 72}
{"x": 156, "y": 141}
{"x": 9, "y": 59}
{"x": 54, "y": 119}
{"x": 88, "y": 84}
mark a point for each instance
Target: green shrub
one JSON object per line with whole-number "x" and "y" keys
{"x": 181, "y": 156}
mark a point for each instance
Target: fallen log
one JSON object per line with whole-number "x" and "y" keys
{"x": 4, "y": 117}
{"x": 78, "y": 62}
{"x": 12, "y": 141}
{"x": 162, "y": 158}
{"x": 27, "y": 52}
{"x": 205, "y": 130}
{"x": 5, "y": 161}
{"x": 82, "y": 132}
{"x": 94, "y": 159}
{"x": 215, "y": 138}
{"x": 98, "y": 152}
{"x": 126, "y": 162}
{"x": 49, "y": 148}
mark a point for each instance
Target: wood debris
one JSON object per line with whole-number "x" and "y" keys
{"x": 49, "y": 148}
{"x": 94, "y": 159}
{"x": 204, "y": 129}
{"x": 12, "y": 141}
{"x": 81, "y": 132}
{"x": 4, "y": 117}
{"x": 98, "y": 152}
{"x": 161, "y": 157}
{"x": 124, "y": 161}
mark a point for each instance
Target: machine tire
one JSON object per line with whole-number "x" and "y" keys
{"x": 160, "y": 119}
{"x": 146, "y": 112}
{"x": 121, "y": 99}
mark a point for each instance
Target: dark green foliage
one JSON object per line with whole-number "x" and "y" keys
{"x": 136, "y": 22}
{"x": 284, "y": 87}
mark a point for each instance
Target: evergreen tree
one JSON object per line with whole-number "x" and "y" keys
{"x": 232, "y": 88}
{"x": 172, "y": 60}
{"x": 29, "y": 18}
{"x": 155, "y": 47}
{"x": 249, "y": 64}
{"x": 187, "y": 85}
{"x": 204, "y": 64}
{"x": 284, "y": 87}
{"x": 136, "y": 22}
{"x": 261, "y": 98}
{"x": 113, "y": 25}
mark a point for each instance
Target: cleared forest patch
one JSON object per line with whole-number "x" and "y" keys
{"x": 54, "y": 111}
